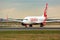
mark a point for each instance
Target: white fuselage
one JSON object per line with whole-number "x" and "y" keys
{"x": 36, "y": 19}
{"x": 33, "y": 19}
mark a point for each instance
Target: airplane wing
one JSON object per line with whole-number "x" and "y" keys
{"x": 53, "y": 20}
{"x": 11, "y": 20}
{"x": 48, "y": 20}
{"x": 21, "y": 20}
{"x": 15, "y": 20}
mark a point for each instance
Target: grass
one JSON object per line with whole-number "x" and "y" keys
{"x": 30, "y": 35}
{"x": 31, "y": 32}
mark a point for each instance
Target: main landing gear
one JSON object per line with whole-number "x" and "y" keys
{"x": 30, "y": 25}
{"x": 41, "y": 25}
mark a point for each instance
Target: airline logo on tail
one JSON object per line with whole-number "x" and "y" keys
{"x": 45, "y": 15}
{"x": 45, "y": 11}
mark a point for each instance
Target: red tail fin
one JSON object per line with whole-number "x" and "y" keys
{"x": 45, "y": 15}
{"x": 45, "y": 10}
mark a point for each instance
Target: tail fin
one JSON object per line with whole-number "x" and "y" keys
{"x": 45, "y": 15}
{"x": 45, "y": 10}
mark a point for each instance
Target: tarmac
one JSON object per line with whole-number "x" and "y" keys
{"x": 33, "y": 28}
{"x": 13, "y": 26}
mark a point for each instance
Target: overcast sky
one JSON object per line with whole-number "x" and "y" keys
{"x": 23, "y": 8}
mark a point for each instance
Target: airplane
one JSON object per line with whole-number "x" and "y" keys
{"x": 34, "y": 20}
{"x": 31, "y": 20}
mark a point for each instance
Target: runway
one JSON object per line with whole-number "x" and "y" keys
{"x": 19, "y": 29}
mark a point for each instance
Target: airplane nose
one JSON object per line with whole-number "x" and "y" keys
{"x": 24, "y": 21}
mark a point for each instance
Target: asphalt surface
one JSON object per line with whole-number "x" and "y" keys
{"x": 19, "y": 29}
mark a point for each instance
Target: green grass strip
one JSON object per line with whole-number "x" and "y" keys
{"x": 31, "y": 32}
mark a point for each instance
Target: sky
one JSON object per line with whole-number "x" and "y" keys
{"x": 22, "y": 8}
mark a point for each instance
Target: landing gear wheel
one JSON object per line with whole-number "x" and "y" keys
{"x": 30, "y": 25}
{"x": 41, "y": 25}
{"x": 24, "y": 25}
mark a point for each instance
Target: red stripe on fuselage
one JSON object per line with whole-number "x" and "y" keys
{"x": 33, "y": 19}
